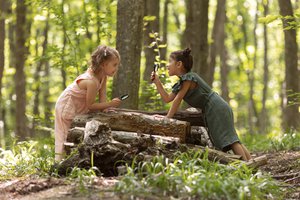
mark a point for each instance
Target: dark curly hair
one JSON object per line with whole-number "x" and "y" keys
{"x": 102, "y": 54}
{"x": 185, "y": 57}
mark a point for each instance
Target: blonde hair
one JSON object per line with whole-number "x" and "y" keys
{"x": 102, "y": 54}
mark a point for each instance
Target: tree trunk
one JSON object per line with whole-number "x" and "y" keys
{"x": 3, "y": 9}
{"x": 264, "y": 114}
{"x": 195, "y": 35}
{"x": 151, "y": 9}
{"x": 63, "y": 67}
{"x": 3, "y": 12}
{"x": 165, "y": 30}
{"x": 98, "y": 21}
{"x": 291, "y": 112}
{"x": 224, "y": 69}
{"x": 20, "y": 79}
{"x": 37, "y": 77}
{"x": 217, "y": 33}
{"x": 129, "y": 44}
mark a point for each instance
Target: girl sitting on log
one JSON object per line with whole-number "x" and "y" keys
{"x": 196, "y": 92}
{"x": 79, "y": 97}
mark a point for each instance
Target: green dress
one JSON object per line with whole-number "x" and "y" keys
{"x": 217, "y": 112}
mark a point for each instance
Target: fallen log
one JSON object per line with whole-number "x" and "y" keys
{"x": 76, "y": 135}
{"x": 257, "y": 162}
{"x": 192, "y": 115}
{"x": 137, "y": 122}
{"x": 198, "y": 136}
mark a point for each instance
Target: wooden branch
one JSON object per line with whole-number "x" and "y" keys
{"x": 137, "y": 122}
{"x": 215, "y": 155}
{"x": 257, "y": 162}
{"x": 285, "y": 176}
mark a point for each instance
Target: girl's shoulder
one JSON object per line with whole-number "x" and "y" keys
{"x": 190, "y": 76}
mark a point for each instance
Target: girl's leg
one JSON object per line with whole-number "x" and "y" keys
{"x": 238, "y": 150}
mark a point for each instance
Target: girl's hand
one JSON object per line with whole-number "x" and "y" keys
{"x": 154, "y": 77}
{"x": 116, "y": 102}
{"x": 109, "y": 110}
{"x": 159, "y": 117}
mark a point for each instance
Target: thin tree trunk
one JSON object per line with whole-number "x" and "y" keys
{"x": 98, "y": 23}
{"x": 11, "y": 64}
{"x": 3, "y": 9}
{"x": 86, "y": 21}
{"x": 3, "y": 12}
{"x": 252, "y": 113}
{"x": 151, "y": 9}
{"x": 217, "y": 32}
{"x": 20, "y": 79}
{"x": 291, "y": 113}
{"x": 264, "y": 114}
{"x": 224, "y": 69}
{"x": 47, "y": 104}
{"x": 129, "y": 44}
{"x": 36, "y": 86}
{"x": 37, "y": 77}
{"x": 63, "y": 67}
{"x": 195, "y": 35}
{"x": 165, "y": 30}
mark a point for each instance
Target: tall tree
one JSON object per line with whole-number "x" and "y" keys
{"x": 3, "y": 12}
{"x": 222, "y": 51}
{"x": 151, "y": 9}
{"x": 20, "y": 79}
{"x": 165, "y": 29}
{"x": 129, "y": 43}
{"x": 37, "y": 77}
{"x": 264, "y": 114}
{"x": 195, "y": 35}
{"x": 64, "y": 29}
{"x": 217, "y": 34}
{"x": 290, "y": 113}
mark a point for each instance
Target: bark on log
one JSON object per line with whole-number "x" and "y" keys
{"x": 76, "y": 135}
{"x": 192, "y": 115}
{"x": 198, "y": 136}
{"x": 137, "y": 122}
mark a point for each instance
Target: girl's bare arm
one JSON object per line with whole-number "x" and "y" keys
{"x": 163, "y": 93}
{"x": 178, "y": 98}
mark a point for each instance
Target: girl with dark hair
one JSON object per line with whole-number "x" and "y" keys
{"x": 79, "y": 97}
{"x": 197, "y": 93}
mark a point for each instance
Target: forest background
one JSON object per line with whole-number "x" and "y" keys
{"x": 246, "y": 50}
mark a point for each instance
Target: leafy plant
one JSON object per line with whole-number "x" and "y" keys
{"x": 26, "y": 158}
{"x": 192, "y": 175}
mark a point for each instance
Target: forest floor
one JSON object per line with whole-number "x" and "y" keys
{"x": 283, "y": 166}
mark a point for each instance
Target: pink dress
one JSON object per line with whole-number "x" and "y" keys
{"x": 70, "y": 103}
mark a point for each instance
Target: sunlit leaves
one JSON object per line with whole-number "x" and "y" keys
{"x": 192, "y": 175}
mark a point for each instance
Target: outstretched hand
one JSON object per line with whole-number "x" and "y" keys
{"x": 116, "y": 102}
{"x": 154, "y": 77}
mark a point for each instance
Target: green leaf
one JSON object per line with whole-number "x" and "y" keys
{"x": 151, "y": 35}
{"x": 149, "y": 18}
{"x": 162, "y": 46}
{"x": 268, "y": 19}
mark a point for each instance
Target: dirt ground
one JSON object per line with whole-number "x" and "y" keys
{"x": 282, "y": 166}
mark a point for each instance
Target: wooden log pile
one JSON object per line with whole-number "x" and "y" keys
{"x": 109, "y": 140}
